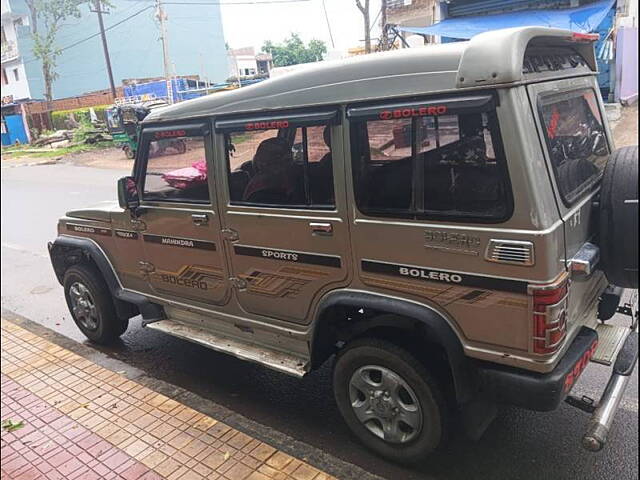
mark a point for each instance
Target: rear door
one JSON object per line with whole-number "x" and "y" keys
{"x": 577, "y": 144}
{"x": 179, "y": 225}
{"x": 286, "y": 231}
{"x": 432, "y": 190}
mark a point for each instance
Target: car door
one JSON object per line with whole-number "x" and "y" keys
{"x": 286, "y": 232}
{"x": 431, "y": 191}
{"x": 179, "y": 224}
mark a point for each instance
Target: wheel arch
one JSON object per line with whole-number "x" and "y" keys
{"x": 66, "y": 251}
{"x": 389, "y": 314}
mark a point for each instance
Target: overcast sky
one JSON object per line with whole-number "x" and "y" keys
{"x": 251, "y": 25}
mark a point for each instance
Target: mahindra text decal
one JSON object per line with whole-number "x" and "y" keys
{"x": 413, "y": 112}
{"x": 267, "y": 125}
{"x": 170, "y": 134}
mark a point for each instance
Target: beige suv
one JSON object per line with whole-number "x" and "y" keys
{"x": 452, "y": 223}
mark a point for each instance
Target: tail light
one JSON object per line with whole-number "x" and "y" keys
{"x": 549, "y": 311}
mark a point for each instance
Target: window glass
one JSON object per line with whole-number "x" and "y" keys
{"x": 431, "y": 166}
{"x": 576, "y": 140}
{"x": 290, "y": 167}
{"x": 176, "y": 170}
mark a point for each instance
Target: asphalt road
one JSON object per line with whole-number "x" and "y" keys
{"x": 518, "y": 445}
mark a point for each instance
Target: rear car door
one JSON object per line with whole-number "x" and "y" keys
{"x": 433, "y": 199}
{"x": 285, "y": 229}
{"x": 576, "y": 143}
{"x": 179, "y": 225}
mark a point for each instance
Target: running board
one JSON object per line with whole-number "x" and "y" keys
{"x": 610, "y": 341}
{"x": 275, "y": 360}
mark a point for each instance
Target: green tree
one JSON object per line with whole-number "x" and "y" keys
{"x": 47, "y": 17}
{"x": 293, "y": 51}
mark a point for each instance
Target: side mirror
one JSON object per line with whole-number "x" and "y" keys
{"x": 128, "y": 194}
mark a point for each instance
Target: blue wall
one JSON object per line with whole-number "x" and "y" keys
{"x": 196, "y": 47}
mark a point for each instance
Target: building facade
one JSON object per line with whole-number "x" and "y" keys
{"x": 245, "y": 62}
{"x": 15, "y": 85}
{"x": 195, "y": 41}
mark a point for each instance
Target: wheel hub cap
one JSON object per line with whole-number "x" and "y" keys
{"x": 385, "y": 404}
{"x": 83, "y": 306}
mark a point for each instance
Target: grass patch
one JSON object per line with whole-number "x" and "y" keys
{"x": 43, "y": 152}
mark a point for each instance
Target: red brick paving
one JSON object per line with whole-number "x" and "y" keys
{"x": 85, "y": 422}
{"x": 54, "y": 446}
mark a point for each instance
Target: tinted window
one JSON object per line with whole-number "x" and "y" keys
{"x": 431, "y": 166}
{"x": 576, "y": 141}
{"x": 176, "y": 170}
{"x": 290, "y": 167}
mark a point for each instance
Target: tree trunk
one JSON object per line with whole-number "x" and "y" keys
{"x": 33, "y": 16}
{"x": 364, "y": 9}
{"x": 48, "y": 80}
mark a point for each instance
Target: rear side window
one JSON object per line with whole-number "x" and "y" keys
{"x": 431, "y": 166}
{"x": 576, "y": 141}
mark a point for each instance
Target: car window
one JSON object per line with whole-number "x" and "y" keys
{"x": 576, "y": 141}
{"x": 176, "y": 170}
{"x": 431, "y": 166}
{"x": 289, "y": 167}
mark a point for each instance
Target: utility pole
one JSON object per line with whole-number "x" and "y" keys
{"x": 326, "y": 16}
{"x": 99, "y": 11}
{"x": 161, "y": 16}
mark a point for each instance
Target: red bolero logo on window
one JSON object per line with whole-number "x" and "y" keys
{"x": 170, "y": 134}
{"x": 267, "y": 125}
{"x": 413, "y": 112}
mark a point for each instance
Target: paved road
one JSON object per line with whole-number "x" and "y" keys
{"x": 519, "y": 444}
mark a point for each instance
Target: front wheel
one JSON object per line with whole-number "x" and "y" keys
{"x": 91, "y": 305}
{"x": 389, "y": 400}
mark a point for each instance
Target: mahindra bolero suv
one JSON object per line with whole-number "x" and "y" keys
{"x": 453, "y": 224}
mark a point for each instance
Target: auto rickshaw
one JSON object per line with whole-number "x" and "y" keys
{"x": 123, "y": 121}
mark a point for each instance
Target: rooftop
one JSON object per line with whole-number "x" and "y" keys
{"x": 488, "y": 60}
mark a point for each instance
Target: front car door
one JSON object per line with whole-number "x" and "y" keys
{"x": 178, "y": 221}
{"x": 286, "y": 230}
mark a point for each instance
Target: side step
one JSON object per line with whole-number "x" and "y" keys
{"x": 610, "y": 341}
{"x": 275, "y": 360}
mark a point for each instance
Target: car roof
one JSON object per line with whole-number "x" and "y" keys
{"x": 488, "y": 60}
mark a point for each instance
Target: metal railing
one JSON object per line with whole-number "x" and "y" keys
{"x": 9, "y": 51}
{"x": 394, "y": 4}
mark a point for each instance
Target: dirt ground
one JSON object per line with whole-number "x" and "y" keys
{"x": 625, "y": 130}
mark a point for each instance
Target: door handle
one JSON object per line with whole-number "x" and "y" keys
{"x": 324, "y": 229}
{"x": 200, "y": 219}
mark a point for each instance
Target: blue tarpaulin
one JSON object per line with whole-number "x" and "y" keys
{"x": 582, "y": 19}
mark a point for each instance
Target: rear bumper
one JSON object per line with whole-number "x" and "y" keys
{"x": 537, "y": 391}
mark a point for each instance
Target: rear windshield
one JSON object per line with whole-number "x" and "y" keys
{"x": 576, "y": 140}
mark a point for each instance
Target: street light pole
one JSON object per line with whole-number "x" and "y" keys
{"x": 99, "y": 11}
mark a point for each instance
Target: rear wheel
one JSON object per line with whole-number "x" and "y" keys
{"x": 389, "y": 400}
{"x": 91, "y": 305}
{"x": 128, "y": 151}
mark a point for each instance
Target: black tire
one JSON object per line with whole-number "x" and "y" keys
{"x": 619, "y": 218}
{"x": 108, "y": 326}
{"x": 129, "y": 153}
{"x": 371, "y": 351}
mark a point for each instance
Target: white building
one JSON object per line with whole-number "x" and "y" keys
{"x": 14, "y": 77}
{"x": 246, "y": 63}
